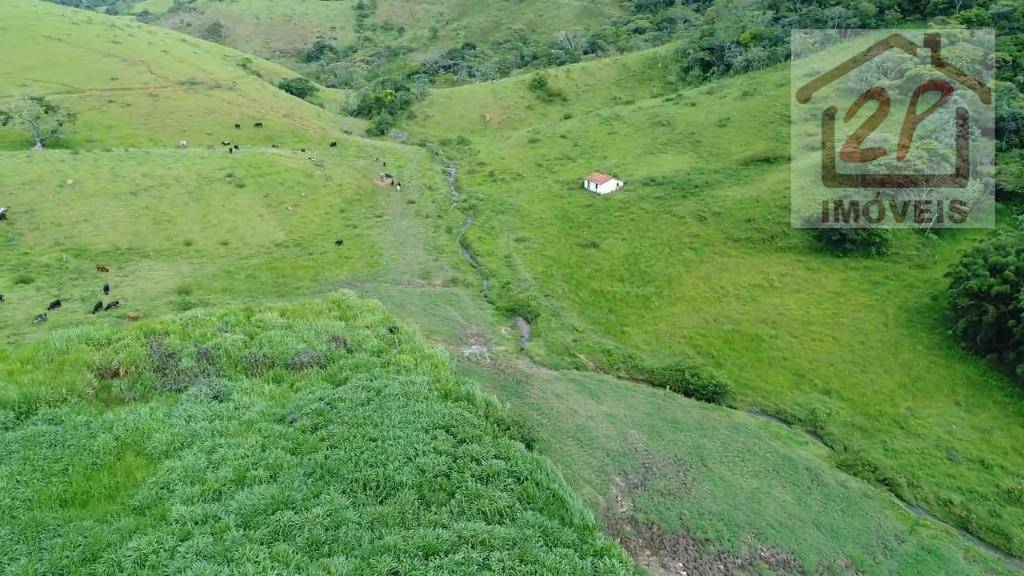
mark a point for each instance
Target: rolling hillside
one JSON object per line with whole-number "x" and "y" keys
{"x": 256, "y": 420}
{"x": 281, "y": 29}
{"x": 138, "y": 86}
{"x": 179, "y": 228}
{"x": 694, "y": 261}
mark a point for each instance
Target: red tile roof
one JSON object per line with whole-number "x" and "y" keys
{"x": 599, "y": 178}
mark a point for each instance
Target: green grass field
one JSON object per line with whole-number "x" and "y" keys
{"x": 138, "y": 86}
{"x": 281, "y": 29}
{"x": 664, "y": 472}
{"x": 228, "y": 431}
{"x": 694, "y": 259}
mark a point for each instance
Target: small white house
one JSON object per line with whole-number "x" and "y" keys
{"x": 601, "y": 183}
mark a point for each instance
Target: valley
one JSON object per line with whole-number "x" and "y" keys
{"x": 452, "y": 376}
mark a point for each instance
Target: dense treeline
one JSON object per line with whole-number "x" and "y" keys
{"x": 736, "y": 36}
{"x": 986, "y": 294}
{"x": 716, "y": 38}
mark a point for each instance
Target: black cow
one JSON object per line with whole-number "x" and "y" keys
{"x": 2, "y": 297}
{"x": 106, "y": 289}
{"x": 113, "y": 304}
{"x": 303, "y": 150}
{"x": 275, "y": 146}
{"x": 54, "y": 305}
{"x": 40, "y": 318}
{"x": 334, "y": 144}
{"x": 258, "y": 125}
{"x": 236, "y": 147}
{"x": 231, "y": 150}
{"x": 339, "y": 242}
{"x": 238, "y": 126}
{"x": 3, "y": 213}
{"x": 98, "y": 307}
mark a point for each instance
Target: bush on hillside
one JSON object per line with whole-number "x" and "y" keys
{"x": 541, "y": 86}
{"x": 321, "y": 50}
{"x": 215, "y": 32}
{"x": 986, "y": 297}
{"x": 690, "y": 382}
{"x": 853, "y": 241}
{"x": 298, "y": 87}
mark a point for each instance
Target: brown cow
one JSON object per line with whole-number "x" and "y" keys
{"x": 102, "y": 268}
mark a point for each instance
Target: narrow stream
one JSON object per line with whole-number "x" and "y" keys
{"x": 523, "y": 326}
{"x": 1012, "y": 561}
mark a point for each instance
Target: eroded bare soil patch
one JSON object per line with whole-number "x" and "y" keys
{"x": 663, "y": 554}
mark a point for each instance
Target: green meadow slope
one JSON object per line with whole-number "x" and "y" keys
{"x": 231, "y": 429}
{"x": 312, "y": 438}
{"x": 178, "y": 228}
{"x": 135, "y": 86}
{"x": 695, "y": 260}
{"x": 281, "y": 29}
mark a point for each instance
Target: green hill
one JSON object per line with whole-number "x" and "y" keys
{"x": 282, "y": 30}
{"x": 178, "y": 228}
{"x": 304, "y": 439}
{"x": 694, "y": 261}
{"x": 136, "y": 86}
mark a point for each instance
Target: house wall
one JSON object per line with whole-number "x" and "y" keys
{"x": 609, "y": 187}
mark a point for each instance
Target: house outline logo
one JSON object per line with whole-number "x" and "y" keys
{"x": 852, "y": 152}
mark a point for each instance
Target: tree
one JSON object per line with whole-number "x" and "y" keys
{"x": 321, "y": 50}
{"x": 41, "y": 119}
{"x": 986, "y": 297}
{"x": 215, "y": 32}
{"x": 298, "y": 87}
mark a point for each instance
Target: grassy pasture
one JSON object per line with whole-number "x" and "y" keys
{"x": 313, "y": 438}
{"x": 280, "y": 30}
{"x": 137, "y": 86}
{"x": 188, "y": 228}
{"x": 695, "y": 259}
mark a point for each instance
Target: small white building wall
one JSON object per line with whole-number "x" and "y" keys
{"x": 606, "y": 188}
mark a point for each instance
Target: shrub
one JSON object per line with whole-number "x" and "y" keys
{"x": 986, "y": 298}
{"x": 685, "y": 380}
{"x": 541, "y": 86}
{"x": 853, "y": 241}
{"x": 298, "y": 87}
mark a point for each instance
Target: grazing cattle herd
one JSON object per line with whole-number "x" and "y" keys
{"x": 231, "y": 147}
{"x": 97, "y": 308}
{"x": 100, "y": 306}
